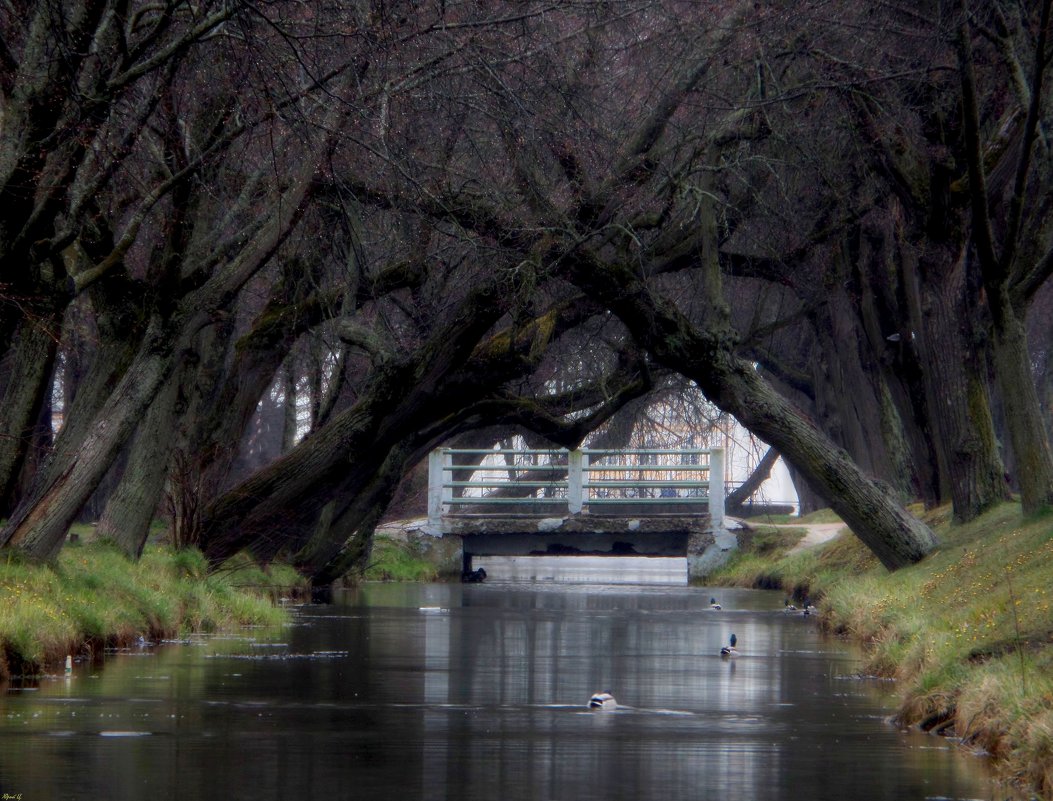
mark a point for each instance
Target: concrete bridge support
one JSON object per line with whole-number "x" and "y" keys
{"x": 705, "y": 547}
{"x": 708, "y": 551}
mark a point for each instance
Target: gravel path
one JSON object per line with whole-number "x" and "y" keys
{"x": 818, "y": 533}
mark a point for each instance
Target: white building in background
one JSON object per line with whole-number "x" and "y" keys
{"x": 690, "y": 421}
{"x": 741, "y": 449}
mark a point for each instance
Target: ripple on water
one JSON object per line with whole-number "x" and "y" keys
{"x": 282, "y": 657}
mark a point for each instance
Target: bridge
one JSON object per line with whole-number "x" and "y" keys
{"x": 625, "y": 502}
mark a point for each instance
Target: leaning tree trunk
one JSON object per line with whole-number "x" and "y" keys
{"x": 428, "y": 389}
{"x": 130, "y": 509}
{"x": 344, "y": 541}
{"x": 893, "y": 534}
{"x": 356, "y": 536}
{"x": 706, "y": 355}
{"x": 736, "y": 500}
{"x": 120, "y": 328}
{"x": 39, "y": 525}
{"x": 27, "y": 383}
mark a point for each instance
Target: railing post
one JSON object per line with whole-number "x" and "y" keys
{"x": 447, "y": 476}
{"x": 586, "y": 460}
{"x": 574, "y": 483}
{"x": 716, "y": 487}
{"x": 435, "y": 493}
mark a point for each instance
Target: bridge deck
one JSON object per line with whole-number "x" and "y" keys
{"x": 509, "y": 483}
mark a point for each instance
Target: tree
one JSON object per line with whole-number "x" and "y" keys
{"x": 58, "y": 150}
{"x": 425, "y": 212}
{"x": 189, "y": 280}
{"x": 616, "y": 230}
{"x": 1009, "y": 277}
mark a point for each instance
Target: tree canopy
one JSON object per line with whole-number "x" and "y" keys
{"x": 257, "y": 259}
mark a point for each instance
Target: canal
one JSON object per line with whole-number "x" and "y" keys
{"x": 479, "y": 692}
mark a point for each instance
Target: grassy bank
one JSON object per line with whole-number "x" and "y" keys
{"x": 94, "y": 597}
{"x": 968, "y": 632}
{"x": 397, "y": 560}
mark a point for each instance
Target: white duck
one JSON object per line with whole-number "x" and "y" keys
{"x": 603, "y": 700}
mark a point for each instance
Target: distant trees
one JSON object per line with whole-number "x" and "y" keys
{"x": 368, "y": 227}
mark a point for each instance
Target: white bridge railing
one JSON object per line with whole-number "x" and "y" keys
{"x": 552, "y": 482}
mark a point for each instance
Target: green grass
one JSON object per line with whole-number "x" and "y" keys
{"x": 94, "y": 596}
{"x": 818, "y": 516}
{"x": 763, "y": 560}
{"x": 967, "y": 632}
{"x": 769, "y": 540}
{"x": 395, "y": 561}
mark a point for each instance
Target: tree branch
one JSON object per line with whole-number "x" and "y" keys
{"x": 1034, "y": 108}
{"x": 761, "y": 473}
{"x": 993, "y": 269}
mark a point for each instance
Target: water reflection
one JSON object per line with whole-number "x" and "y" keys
{"x": 581, "y": 569}
{"x": 479, "y": 692}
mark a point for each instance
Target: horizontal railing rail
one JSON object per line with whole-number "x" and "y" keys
{"x": 466, "y": 481}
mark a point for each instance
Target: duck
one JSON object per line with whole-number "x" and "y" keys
{"x": 787, "y": 606}
{"x": 474, "y": 576}
{"x": 713, "y": 603}
{"x": 603, "y": 700}
{"x": 729, "y": 650}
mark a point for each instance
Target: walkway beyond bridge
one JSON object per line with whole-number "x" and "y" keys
{"x": 627, "y": 502}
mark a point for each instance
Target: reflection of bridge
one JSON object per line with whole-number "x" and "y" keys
{"x": 634, "y": 502}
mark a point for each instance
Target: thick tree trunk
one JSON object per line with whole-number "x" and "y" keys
{"x": 893, "y": 534}
{"x": 343, "y": 542}
{"x": 283, "y": 500}
{"x": 27, "y": 383}
{"x": 131, "y": 508}
{"x": 39, "y": 525}
{"x": 419, "y": 398}
{"x": 956, "y": 388}
{"x": 284, "y": 497}
{"x": 998, "y": 263}
{"x": 706, "y": 355}
{"x": 356, "y": 537}
{"x": 846, "y": 398}
{"x": 119, "y": 342}
{"x": 231, "y": 391}
{"x": 1023, "y": 417}
{"x": 885, "y": 296}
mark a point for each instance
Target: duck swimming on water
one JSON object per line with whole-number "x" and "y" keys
{"x": 729, "y": 650}
{"x": 713, "y": 603}
{"x": 603, "y": 700}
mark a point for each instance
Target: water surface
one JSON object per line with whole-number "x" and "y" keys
{"x": 479, "y": 692}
